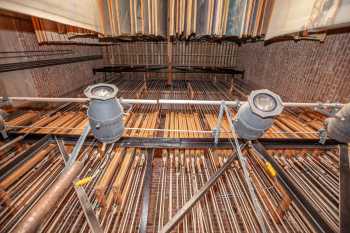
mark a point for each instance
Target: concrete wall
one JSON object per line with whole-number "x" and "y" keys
{"x": 300, "y": 71}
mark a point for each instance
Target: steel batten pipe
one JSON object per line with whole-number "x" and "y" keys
{"x": 31, "y": 222}
{"x": 138, "y": 101}
{"x": 167, "y": 101}
{"x": 315, "y": 104}
{"x": 44, "y": 99}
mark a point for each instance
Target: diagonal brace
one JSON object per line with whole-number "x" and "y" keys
{"x": 243, "y": 162}
{"x": 196, "y": 197}
{"x": 89, "y": 213}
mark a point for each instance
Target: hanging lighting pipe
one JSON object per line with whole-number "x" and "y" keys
{"x": 45, "y": 99}
{"x": 167, "y": 101}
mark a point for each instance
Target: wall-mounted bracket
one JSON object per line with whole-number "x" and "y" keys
{"x": 323, "y": 135}
{"x": 328, "y": 111}
{"x": 4, "y": 102}
{"x": 306, "y": 36}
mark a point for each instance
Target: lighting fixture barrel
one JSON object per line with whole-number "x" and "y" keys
{"x": 2, "y": 123}
{"x": 256, "y": 116}
{"x": 105, "y": 112}
{"x": 3, "y": 116}
{"x": 338, "y": 127}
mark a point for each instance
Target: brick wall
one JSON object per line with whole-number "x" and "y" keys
{"x": 62, "y": 80}
{"x": 300, "y": 71}
{"x": 17, "y": 35}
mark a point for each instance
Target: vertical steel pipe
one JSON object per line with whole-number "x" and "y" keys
{"x": 344, "y": 188}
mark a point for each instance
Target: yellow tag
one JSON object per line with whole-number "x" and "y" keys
{"x": 269, "y": 168}
{"x": 83, "y": 181}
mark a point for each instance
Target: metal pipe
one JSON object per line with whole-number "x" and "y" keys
{"x": 146, "y": 192}
{"x": 167, "y": 101}
{"x": 89, "y": 213}
{"x": 41, "y": 209}
{"x": 196, "y": 197}
{"x": 45, "y": 99}
{"x": 138, "y": 101}
{"x": 315, "y": 104}
{"x": 201, "y": 102}
{"x": 344, "y": 188}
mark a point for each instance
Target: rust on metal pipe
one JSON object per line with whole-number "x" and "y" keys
{"x": 37, "y": 214}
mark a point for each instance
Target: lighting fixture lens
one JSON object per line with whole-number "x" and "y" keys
{"x": 102, "y": 91}
{"x": 265, "y": 102}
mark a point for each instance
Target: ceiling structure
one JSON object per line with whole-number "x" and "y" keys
{"x": 68, "y": 21}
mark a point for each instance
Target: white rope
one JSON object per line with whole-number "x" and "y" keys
{"x": 168, "y": 101}
{"x": 158, "y": 130}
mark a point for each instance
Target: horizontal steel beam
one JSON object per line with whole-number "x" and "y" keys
{"x": 179, "y": 37}
{"x": 175, "y": 69}
{"x": 48, "y": 62}
{"x": 297, "y": 143}
{"x": 195, "y": 143}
